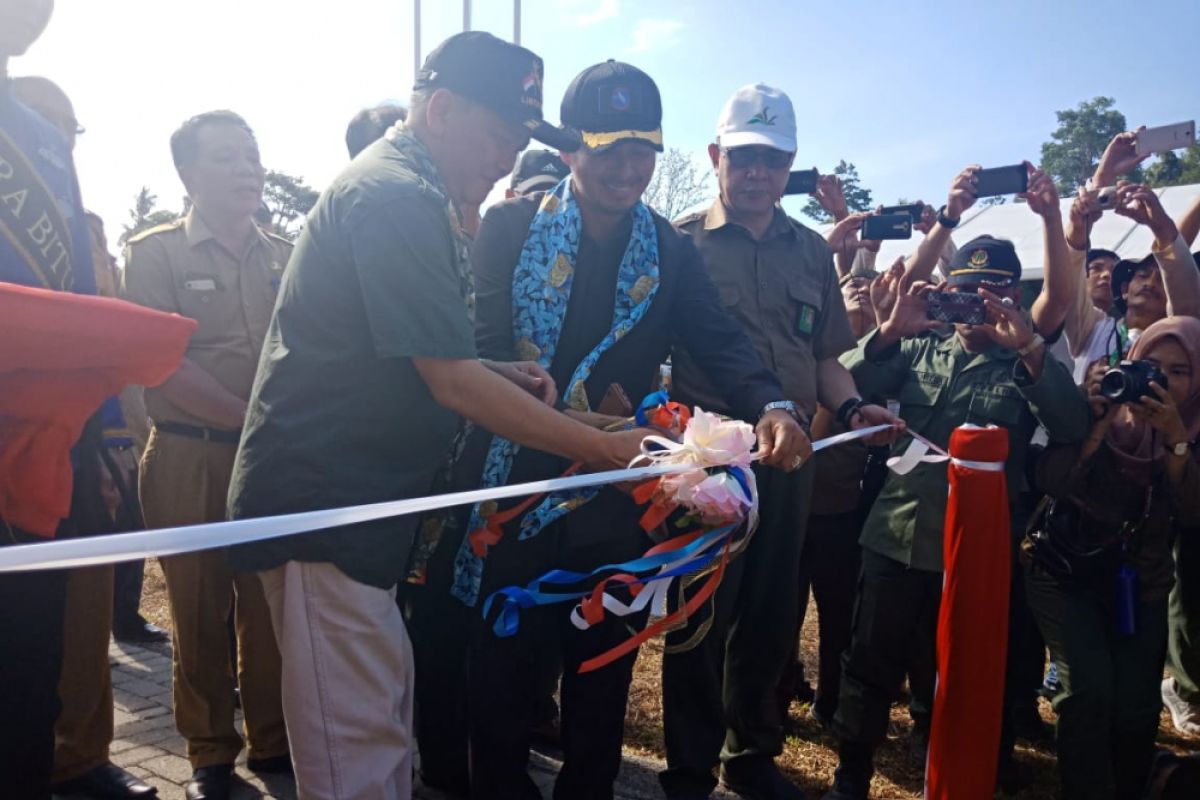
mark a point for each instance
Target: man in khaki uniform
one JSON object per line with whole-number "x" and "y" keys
{"x": 217, "y": 267}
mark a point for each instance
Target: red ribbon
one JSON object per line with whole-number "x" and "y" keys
{"x": 493, "y": 529}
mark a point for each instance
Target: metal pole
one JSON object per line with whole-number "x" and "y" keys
{"x": 466, "y": 15}
{"x": 516, "y": 21}
{"x": 416, "y": 38}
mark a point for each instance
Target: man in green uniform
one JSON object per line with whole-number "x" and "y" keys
{"x": 997, "y": 373}
{"x": 775, "y": 277}
{"x": 369, "y": 361}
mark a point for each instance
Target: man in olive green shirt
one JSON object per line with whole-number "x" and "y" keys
{"x": 998, "y": 374}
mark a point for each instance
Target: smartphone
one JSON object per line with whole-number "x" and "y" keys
{"x": 1001, "y": 180}
{"x": 886, "y": 226}
{"x": 952, "y": 307}
{"x": 914, "y": 210}
{"x": 801, "y": 181}
{"x": 1166, "y": 138}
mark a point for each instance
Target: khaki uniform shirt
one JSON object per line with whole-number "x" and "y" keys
{"x": 940, "y": 387}
{"x": 782, "y": 289}
{"x": 180, "y": 268}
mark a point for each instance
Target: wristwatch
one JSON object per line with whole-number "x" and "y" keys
{"x": 946, "y": 222}
{"x": 789, "y": 407}
{"x": 1182, "y": 448}
{"x": 847, "y": 410}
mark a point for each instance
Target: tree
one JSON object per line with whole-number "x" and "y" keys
{"x": 1173, "y": 170}
{"x": 289, "y": 199}
{"x": 1079, "y": 141}
{"x": 144, "y": 215}
{"x": 677, "y": 185}
{"x": 857, "y": 198}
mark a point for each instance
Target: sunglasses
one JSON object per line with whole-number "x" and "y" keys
{"x": 746, "y": 157}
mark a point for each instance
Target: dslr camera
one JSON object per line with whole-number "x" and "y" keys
{"x": 1130, "y": 381}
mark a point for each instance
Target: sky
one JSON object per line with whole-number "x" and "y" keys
{"x": 908, "y": 97}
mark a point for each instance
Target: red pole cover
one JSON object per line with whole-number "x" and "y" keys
{"x": 972, "y": 637}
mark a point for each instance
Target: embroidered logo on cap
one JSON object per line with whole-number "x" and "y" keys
{"x": 531, "y": 86}
{"x": 763, "y": 117}
{"x": 979, "y": 258}
{"x": 620, "y": 98}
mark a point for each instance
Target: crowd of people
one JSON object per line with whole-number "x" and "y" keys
{"x": 408, "y": 346}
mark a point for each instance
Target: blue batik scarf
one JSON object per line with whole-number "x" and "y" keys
{"x": 541, "y": 291}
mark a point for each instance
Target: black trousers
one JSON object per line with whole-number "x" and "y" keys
{"x": 719, "y": 698}
{"x": 829, "y": 567}
{"x": 896, "y": 605}
{"x": 31, "y": 647}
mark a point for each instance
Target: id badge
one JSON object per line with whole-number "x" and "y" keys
{"x": 806, "y": 320}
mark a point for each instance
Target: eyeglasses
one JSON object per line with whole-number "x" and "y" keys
{"x": 746, "y": 157}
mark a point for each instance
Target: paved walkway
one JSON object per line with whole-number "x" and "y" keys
{"x": 146, "y": 743}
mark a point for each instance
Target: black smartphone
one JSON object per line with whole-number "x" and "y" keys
{"x": 1001, "y": 180}
{"x": 914, "y": 210}
{"x": 886, "y": 226}
{"x": 952, "y": 307}
{"x": 801, "y": 181}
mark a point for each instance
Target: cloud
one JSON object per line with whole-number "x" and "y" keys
{"x": 650, "y": 34}
{"x": 586, "y": 13}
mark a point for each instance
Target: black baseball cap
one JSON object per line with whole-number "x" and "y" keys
{"x": 985, "y": 260}
{"x": 498, "y": 75}
{"x": 1123, "y": 273}
{"x": 613, "y": 102}
{"x": 537, "y": 170}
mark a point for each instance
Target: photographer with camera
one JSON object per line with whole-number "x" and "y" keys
{"x": 1105, "y": 534}
{"x": 992, "y": 368}
{"x": 1143, "y": 291}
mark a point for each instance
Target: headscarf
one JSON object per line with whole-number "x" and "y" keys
{"x": 1133, "y": 440}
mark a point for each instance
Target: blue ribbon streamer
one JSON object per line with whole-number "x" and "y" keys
{"x": 539, "y": 592}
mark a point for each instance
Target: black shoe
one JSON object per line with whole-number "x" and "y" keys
{"x": 140, "y": 631}
{"x": 210, "y": 783}
{"x": 106, "y": 782}
{"x": 760, "y": 781}
{"x": 852, "y": 780}
{"x": 275, "y": 765}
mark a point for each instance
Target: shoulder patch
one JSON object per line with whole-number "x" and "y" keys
{"x": 174, "y": 224}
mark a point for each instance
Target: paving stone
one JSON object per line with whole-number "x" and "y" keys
{"x": 172, "y": 767}
{"x": 129, "y": 758}
{"x": 156, "y": 710}
{"x": 127, "y": 701}
{"x": 142, "y": 687}
{"x": 166, "y": 698}
{"x": 174, "y": 744}
{"x": 152, "y": 736}
{"x": 126, "y": 731}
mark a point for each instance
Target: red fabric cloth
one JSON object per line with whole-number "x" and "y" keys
{"x": 972, "y": 636}
{"x": 61, "y": 355}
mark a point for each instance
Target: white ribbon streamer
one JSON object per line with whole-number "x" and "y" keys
{"x": 918, "y": 453}
{"x": 114, "y": 548}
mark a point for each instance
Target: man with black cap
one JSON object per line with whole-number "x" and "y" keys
{"x": 369, "y": 360}
{"x": 997, "y": 373}
{"x": 536, "y": 171}
{"x": 595, "y": 286}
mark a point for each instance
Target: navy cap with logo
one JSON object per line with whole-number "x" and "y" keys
{"x": 613, "y": 102}
{"x": 498, "y": 75}
{"x": 538, "y": 170}
{"x": 985, "y": 260}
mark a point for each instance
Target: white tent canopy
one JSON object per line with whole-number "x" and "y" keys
{"x": 1014, "y": 221}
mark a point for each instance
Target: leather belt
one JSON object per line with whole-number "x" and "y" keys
{"x": 200, "y": 432}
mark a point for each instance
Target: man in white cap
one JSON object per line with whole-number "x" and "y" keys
{"x": 778, "y": 279}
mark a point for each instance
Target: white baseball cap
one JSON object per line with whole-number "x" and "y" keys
{"x": 758, "y": 115}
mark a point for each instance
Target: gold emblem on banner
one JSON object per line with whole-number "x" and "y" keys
{"x": 561, "y": 271}
{"x": 527, "y": 350}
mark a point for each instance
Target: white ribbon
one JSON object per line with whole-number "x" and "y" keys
{"x": 114, "y": 548}
{"x": 918, "y": 453}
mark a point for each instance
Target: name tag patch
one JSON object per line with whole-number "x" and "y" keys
{"x": 806, "y": 319}
{"x": 200, "y": 285}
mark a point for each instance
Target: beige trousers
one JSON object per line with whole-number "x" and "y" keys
{"x": 184, "y": 482}
{"x": 347, "y": 683}
{"x": 84, "y": 729}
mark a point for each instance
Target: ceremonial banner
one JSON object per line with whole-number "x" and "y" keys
{"x": 61, "y": 355}
{"x": 972, "y": 638}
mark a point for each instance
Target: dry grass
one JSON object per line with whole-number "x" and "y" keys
{"x": 809, "y": 756}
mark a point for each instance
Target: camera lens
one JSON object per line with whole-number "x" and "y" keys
{"x": 1114, "y": 385}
